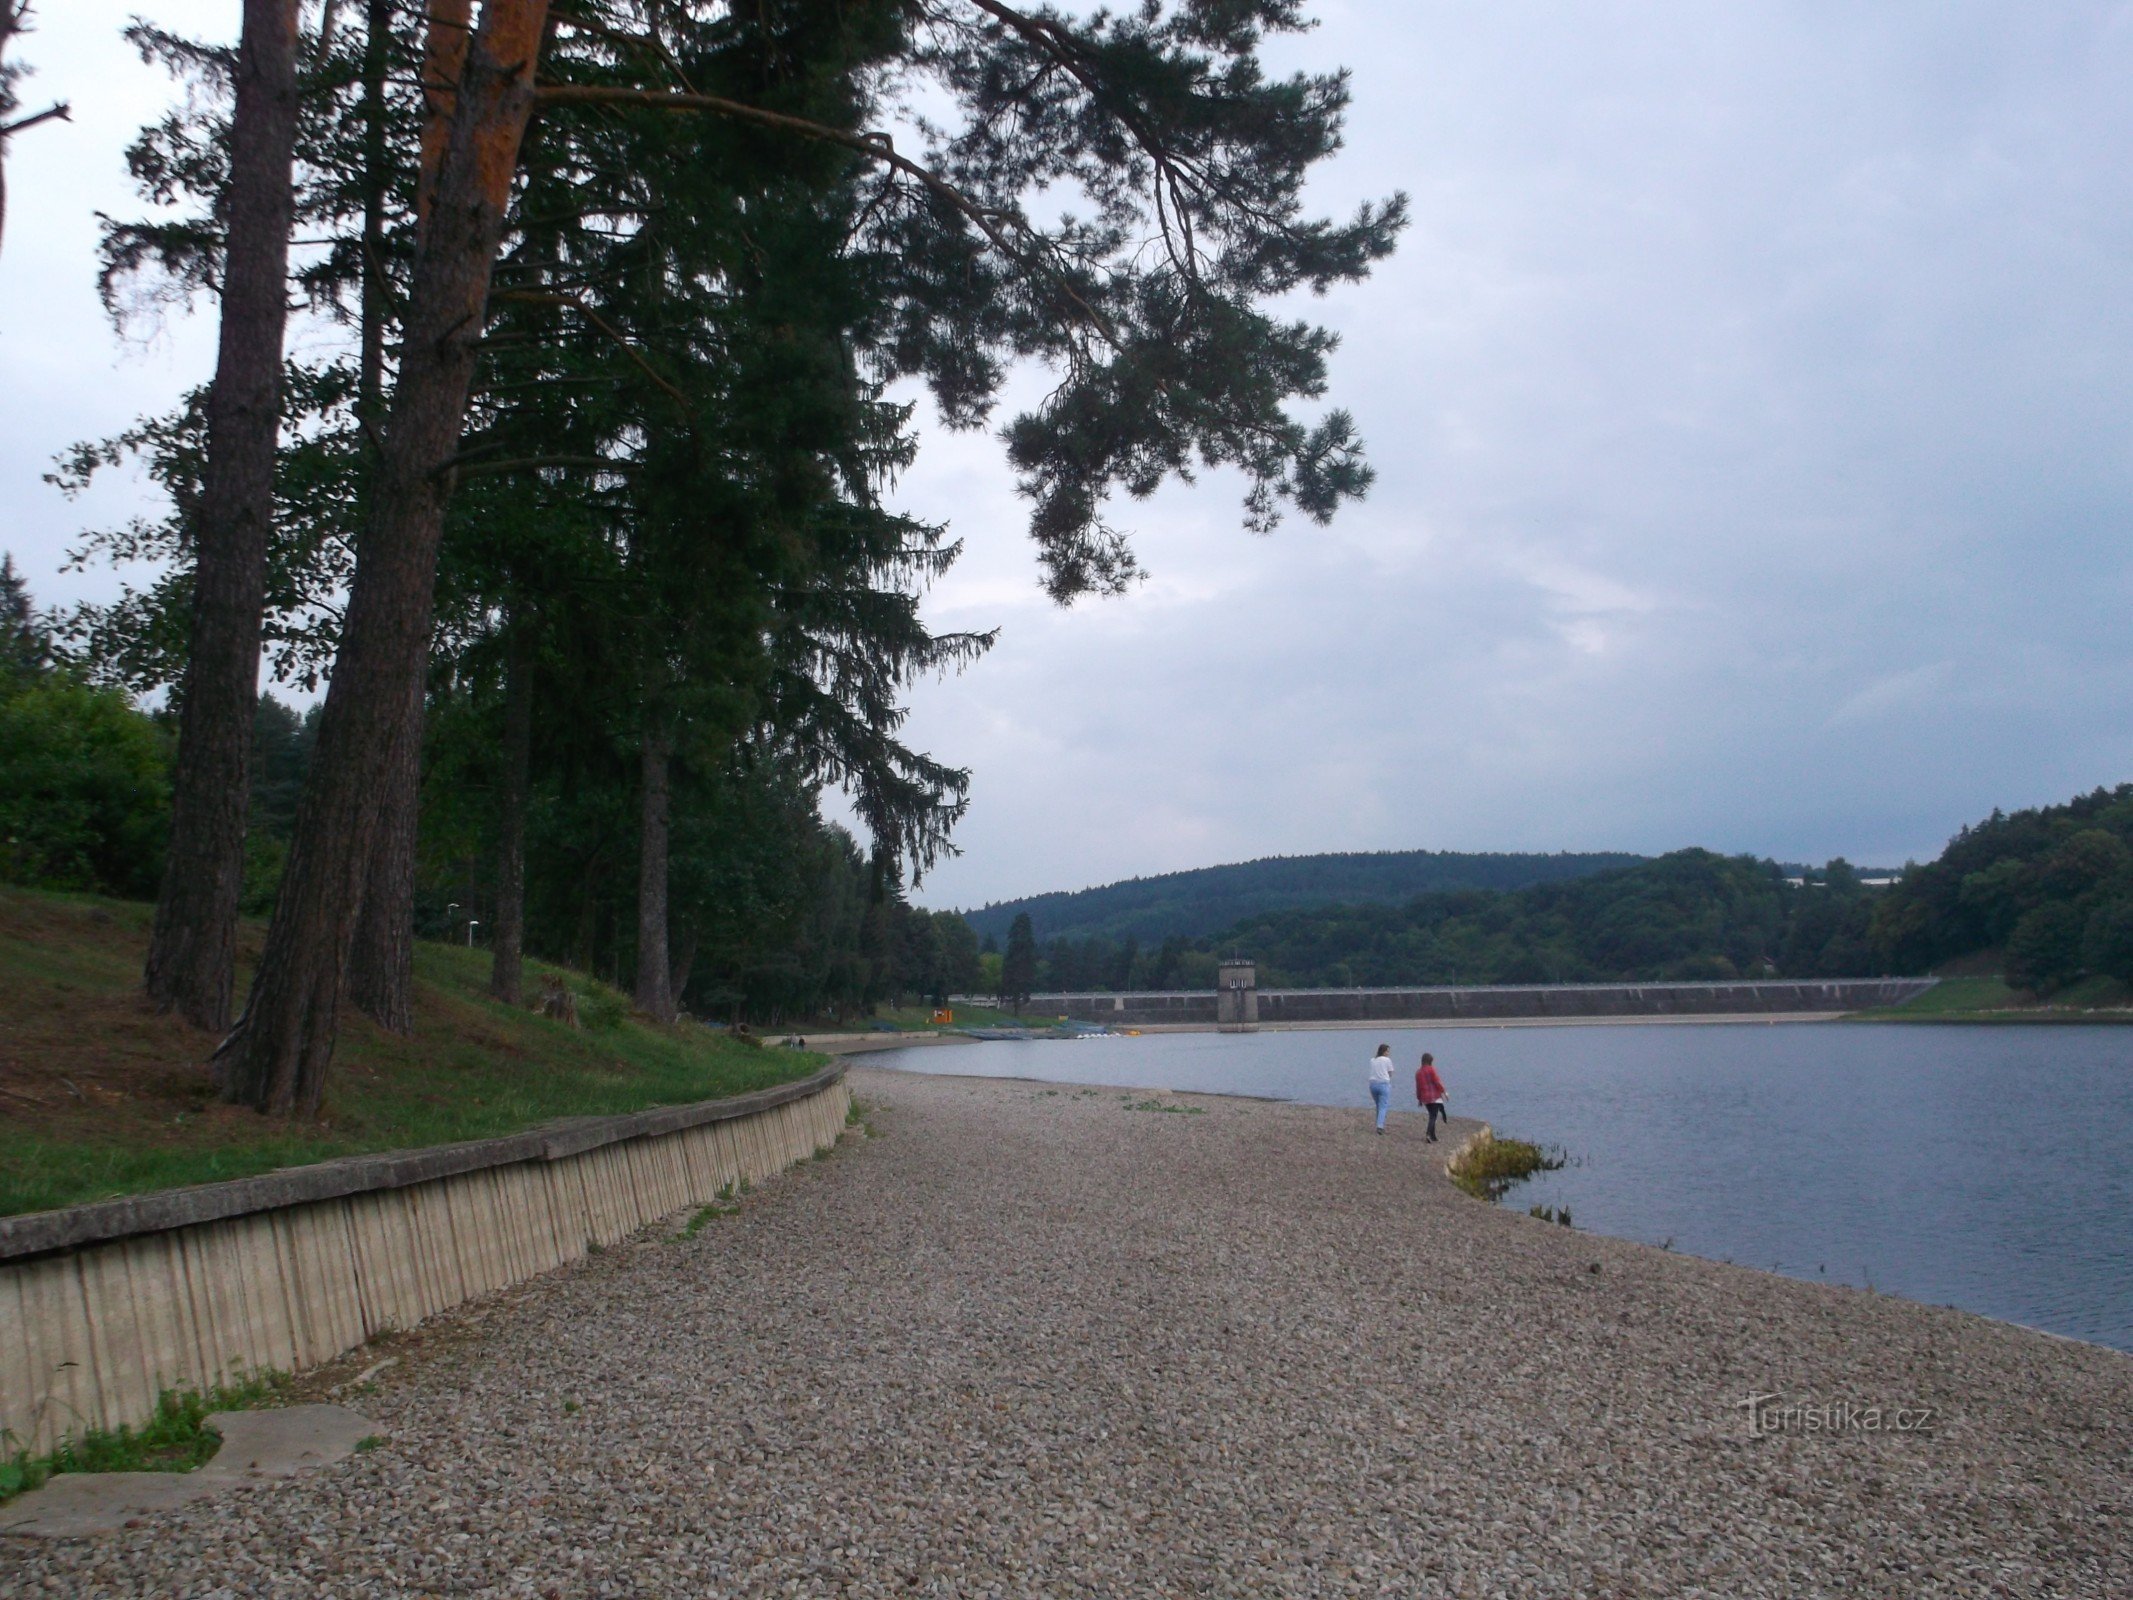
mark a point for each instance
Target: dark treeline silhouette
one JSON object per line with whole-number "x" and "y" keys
{"x": 1205, "y": 900}
{"x": 2043, "y": 896}
{"x": 1691, "y": 915}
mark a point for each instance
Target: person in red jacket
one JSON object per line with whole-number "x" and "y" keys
{"x": 1429, "y": 1094}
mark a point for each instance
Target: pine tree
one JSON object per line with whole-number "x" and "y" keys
{"x": 192, "y": 951}
{"x": 1167, "y": 357}
{"x": 25, "y": 647}
{"x": 1018, "y": 968}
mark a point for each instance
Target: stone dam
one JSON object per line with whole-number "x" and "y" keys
{"x": 1239, "y": 1003}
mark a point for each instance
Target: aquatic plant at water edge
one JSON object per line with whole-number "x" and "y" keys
{"x": 1488, "y": 1166}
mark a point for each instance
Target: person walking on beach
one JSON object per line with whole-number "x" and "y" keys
{"x": 1381, "y": 1082}
{"x": 1429, "y": 1094}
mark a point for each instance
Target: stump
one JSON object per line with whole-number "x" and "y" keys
{"x": 558, "y": 1001}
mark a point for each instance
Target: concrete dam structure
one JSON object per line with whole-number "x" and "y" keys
{"x": 1238, "y": 1004}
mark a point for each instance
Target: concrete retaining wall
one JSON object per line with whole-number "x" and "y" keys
{"x": 1294, "y": 1006}
{"x": 103, "y": 1306}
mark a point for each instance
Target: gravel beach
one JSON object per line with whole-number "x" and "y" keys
{"x": 1029, "y": 1340}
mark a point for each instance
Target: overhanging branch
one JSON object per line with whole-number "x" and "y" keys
{"x": 62, "y": 111}
{"x": 874, "y": 146}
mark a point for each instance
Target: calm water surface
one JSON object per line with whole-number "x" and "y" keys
{"x": 1980, "y": 1167}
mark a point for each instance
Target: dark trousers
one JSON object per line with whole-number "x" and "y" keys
{"x": 1435, "y": 1108}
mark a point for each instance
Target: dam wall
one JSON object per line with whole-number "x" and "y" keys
{"x": 1304, "y": 1007}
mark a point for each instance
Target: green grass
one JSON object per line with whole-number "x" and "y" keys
{"x": 1987, "y": 998}
{"x": 1488, "y": 1167}
{"x": 1953, "y": 996}
{"x": 176, "y": 1439}
{"x": 99, "y": 1097}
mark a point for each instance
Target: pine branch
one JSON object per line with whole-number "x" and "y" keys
{"x": 535, "y": 297}
{"x": 61, "y": 111}
{"x": 874, "y": 146}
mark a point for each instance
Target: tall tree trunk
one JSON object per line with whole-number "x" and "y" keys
{"x": 192, "y": 952}
{"x": 655, "y": 991}
{"x": 381, "y": 971}
{"x": 277, "y": 1057}
{"x": 381, "y": 965}
{"x": 505, "y": 978}
{"x": 377, "y": 184}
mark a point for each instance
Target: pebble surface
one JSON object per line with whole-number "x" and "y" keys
{"x": 1039, "y": 1341}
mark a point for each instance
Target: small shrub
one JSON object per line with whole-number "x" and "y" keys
{"x": 601, "y": 1008}
{"x": 1487, "y": 1168}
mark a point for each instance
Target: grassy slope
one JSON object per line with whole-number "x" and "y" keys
{"x": 1983, "y": 997}
{"x": 100, "y": 1097}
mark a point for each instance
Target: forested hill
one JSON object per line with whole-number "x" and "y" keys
{"x": 1195, "y": 904}
{"x": 2045, "y": 894}
{"x": 1691, "y": 915}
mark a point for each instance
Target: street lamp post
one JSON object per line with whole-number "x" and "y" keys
{"x": 471, "y": 926}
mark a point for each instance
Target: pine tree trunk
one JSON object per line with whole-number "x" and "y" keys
{"x": 377, "y": 181}
{"x": 505, "y": 979}
{"x": 655, "y": 993}
{"x": 277, "y": 1058}
{"x": 381, "y": 966}
{"x": 192, "y": 952}
{"x": 381, "y": 974}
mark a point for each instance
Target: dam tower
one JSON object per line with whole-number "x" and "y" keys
{"x": 1237, "y": 997}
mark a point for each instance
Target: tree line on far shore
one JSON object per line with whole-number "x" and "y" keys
{"x": 2044, "y": 896}
{"x": 1691, "y": 915}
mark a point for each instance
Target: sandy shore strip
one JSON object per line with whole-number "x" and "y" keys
{"x": 1044, "y": 1340}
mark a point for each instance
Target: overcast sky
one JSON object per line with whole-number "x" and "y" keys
{"x": 1750, "y": 404}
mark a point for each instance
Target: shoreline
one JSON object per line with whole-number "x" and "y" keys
{"x": 1015, "y": 1339}
{"x": 1474, "y": 1130}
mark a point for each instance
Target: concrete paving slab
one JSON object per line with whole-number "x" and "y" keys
{"x": 257, "y": 1447}
{"x": 282, "y": 1441}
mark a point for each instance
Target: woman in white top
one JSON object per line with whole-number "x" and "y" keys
{"x": 1381, "y": 1082}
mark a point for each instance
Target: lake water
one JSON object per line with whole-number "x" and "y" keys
{"x": 1989, "y": 1168}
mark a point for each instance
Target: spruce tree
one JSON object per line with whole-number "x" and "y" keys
{"x": 1018, "y": 968}
{"x": 25, "y": 648}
